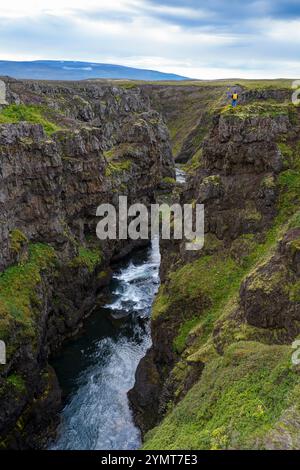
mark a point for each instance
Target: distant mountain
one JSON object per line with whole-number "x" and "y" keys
{"x": 69, "y": 70}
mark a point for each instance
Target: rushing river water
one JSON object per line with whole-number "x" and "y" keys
{"x": 97, "y": 369}
{"x": 180, "y": 176}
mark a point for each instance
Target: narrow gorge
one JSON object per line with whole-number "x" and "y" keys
{"x": 213, "y": 366}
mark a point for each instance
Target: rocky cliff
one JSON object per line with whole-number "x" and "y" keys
{"x": 65, "y": 148}
{"x": 219, "y": 374}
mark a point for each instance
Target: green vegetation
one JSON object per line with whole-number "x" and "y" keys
{"x": 194, "y": 163}
{"x": 127, "y": 85}
{"x": 266, "y": 109}
{"x": 17, "y": 240}
{"x": 18, "y": 296}
{"x": 194, "y": 110}
{"x": 169, "y": 180}
{"x": 282, "y": 83}
{"x": 35, "y": 114}
{"x": 17, "y": 382}
{"x": 88, "y": 258}
{"x": 116, "y": 168}
{"x": 208, "y": 281}
{"x": 287, "y": 152}
{"x": 294, "y": 292}
{"x": 245, "y": 390}
{"x": 120, "y": 151}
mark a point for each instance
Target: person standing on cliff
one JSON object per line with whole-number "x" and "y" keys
{"x": 234, "y": 98}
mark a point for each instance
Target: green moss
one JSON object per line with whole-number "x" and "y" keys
{"x": 127, "y": 85}
{"x": 31, "y": 113}
{"x": 208, "y": 281}
{"x": 169, "y": 180}
{"x": 88, "y": 258}
{"x": 251, "y": 214}
{"x": 294, "y": 221}
{"x": 211, "y": 244}
{"x": 18, "y": 287}
{"x": 242, "y": 247}
{"x": 294, "y": 292}
{"x": 117, "y": 168}
{"x": 214, "y": 180}
{"x": 17, "y": 382}
{"x": 184, "y": 330}
{"x": 194, "y": 163}
{"x": 17, "y": 240}
{"x": 289, "y": 182}
{"x": 286, "y": 151}
{"x": 259, "y": 109}
{"x": 294, "y": 246}
{"x": 235, "y": 403}
{"x": 266, "y": 282}
{"x": 102, "y": 275}
{"x": 121, "y": 151}
{"x": 160, "y": 304}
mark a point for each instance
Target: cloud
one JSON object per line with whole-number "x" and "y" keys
{"x": 199, "y": 39}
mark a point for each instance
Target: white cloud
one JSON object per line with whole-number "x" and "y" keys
{"x": 283, "y": 31}
{"x": 135, "y": 33}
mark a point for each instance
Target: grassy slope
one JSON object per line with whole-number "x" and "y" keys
{"x": 238, "y": 399}
{"x": 35, "y": 114}
{"x": 19, "y": 300}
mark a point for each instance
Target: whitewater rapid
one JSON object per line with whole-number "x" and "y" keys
{"x": 97, "y": 370}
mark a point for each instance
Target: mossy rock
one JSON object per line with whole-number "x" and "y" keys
{"x": 242, "y": 247}
{"x": 35, "y": 114}
{"x": 87, "y": 258}
{"x": 122, "y": 150}
{"x": 169, "y": 181}
{"x": 17, "y": 240}
{"x": 117, "y": 168}
{"x": 18, "y": 285}
{"x": 16, "y": 381}
{"x": 236, "y": 402}
{"x": 268, "y": 182}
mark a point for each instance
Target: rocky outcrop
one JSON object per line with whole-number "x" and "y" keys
{"x": 92, "y": 144}
{"x": 188, "y": 110}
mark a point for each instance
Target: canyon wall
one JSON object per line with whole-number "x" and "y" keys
{"x": 220, "y": 373}
{"x": 65, "y": 148}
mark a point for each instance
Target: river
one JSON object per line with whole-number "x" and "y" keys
{"x": 97, "y": 369}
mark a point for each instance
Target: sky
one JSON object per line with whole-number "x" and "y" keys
{"x": 194, "y": 38}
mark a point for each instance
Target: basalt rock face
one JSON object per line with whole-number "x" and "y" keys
{"x": 50, "y": 182}
{"x": 225, "y": 316}
{"x": 106, "y": 142}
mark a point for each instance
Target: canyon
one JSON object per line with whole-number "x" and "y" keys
{"x": 218, "y": 374}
